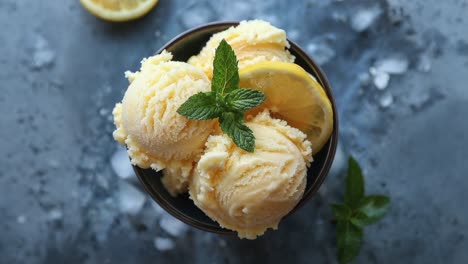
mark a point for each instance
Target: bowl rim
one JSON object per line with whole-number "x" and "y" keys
{"x": 319, "y": 179}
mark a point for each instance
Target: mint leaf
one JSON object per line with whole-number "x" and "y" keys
{"x": 244, "y": 99}
{"x": 225, "y": 70}
{"x": 341, "y": 211}
{"x": 200, "y": 106}
{"x": 232, "y": 123}
{"x": 349, "y": 241}
{"x": 371, "y": 209}
{"x": 354, "y": 184}
{"x": 225, "y": 101}
{"x": 357, "y": 212}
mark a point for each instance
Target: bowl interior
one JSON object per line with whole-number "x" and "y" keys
{"x": 183, "y": 47}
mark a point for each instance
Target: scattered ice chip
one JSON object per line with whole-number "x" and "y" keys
{"x": 55, "y": 214}
{"x": 103, "y": 111}
{"x": 424, "y": 63}
{"x": 320, "y": 50}
{"x": 381, "y": 79}
{"x": 173, "y": 226}
{"x": 392, "y": 65}
{"x": 386, "y": 100}
{"x": 157, "y": 33}
{"x": 364, "y": 18}
{"x": 196, "y": 14}
{"x": 21, "y": 219}
{"x": 131, "y": 200}
{"x": 339, "y": 16}
{"x": 364, "y": 78}
{"x": 121, "y": 164}
{"x": 43, "y": 55}
{"x": 163, "y": 244}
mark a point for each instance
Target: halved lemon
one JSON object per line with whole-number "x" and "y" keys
{"x": 294, "y": 96}
{"x": 119, "y": 10}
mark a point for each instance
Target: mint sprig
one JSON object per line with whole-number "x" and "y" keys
{"x": 357, "y": 211}
{"x": 226, "y": 100}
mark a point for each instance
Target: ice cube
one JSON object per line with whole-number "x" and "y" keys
{"x": 163, "y": 244}
{"x": 196, "y": 14}
{"x": 55, "y": 214}
{"x": 320, "y": 51}
{"x": 381, "y": 79}
{"x": 386, "y": 100}
{"x": 121, "y": 164}
{"x": 392, "y": 65}
{"x": 173, "y": 226}
{"x": 364, "y": 18}
{"x": 424, "y": 63}
{"x": 364, "y": 78}
{"x": 131, "y": 200}
{"x": 42, "y": 56}
{"x": 103, "y": 111}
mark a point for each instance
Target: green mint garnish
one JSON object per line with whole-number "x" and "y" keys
{"x": 226, "y": 101}
{"x": 357, "y": 211}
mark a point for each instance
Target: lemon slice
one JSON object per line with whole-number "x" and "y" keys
{"x": 119, "y": 10}
{"x": 294, "y": 96}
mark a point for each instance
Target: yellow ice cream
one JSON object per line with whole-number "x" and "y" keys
{"x": 251, "y": 192}
{"x": 147, "y": 122}
{"x": 253, "y": 41}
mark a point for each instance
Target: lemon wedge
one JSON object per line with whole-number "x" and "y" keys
{"x": 119, "y": 10}
{"x": 294, "y": 96}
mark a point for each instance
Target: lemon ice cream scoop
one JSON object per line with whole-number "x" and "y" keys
{"x": 253, "y": 41}
{"x": 147, "y": 122}
{"x": 251, "y": 192}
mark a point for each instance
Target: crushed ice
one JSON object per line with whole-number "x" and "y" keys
{"x": 380, "y": 79}
{"x": 131, "y": 200}
{"x": 383, "y": 68}
{"x": 392, "y": 65}
{"x": 386, "y": 100}
{"x": 320, "y": 49}
{"x": 121, "y": 164}
{"x": 173, "y": 226}
{"x": 163, "y": 244}
{"x": 365, "y": 17}
{"x": 43, "y": 55}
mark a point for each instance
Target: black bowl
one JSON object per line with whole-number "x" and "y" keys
{"x": 182, "y": 48}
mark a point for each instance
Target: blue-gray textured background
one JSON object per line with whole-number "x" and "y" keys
{"x": 67, "y": 194}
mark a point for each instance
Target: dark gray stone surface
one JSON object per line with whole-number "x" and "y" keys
{"x": 62, "y": 71}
